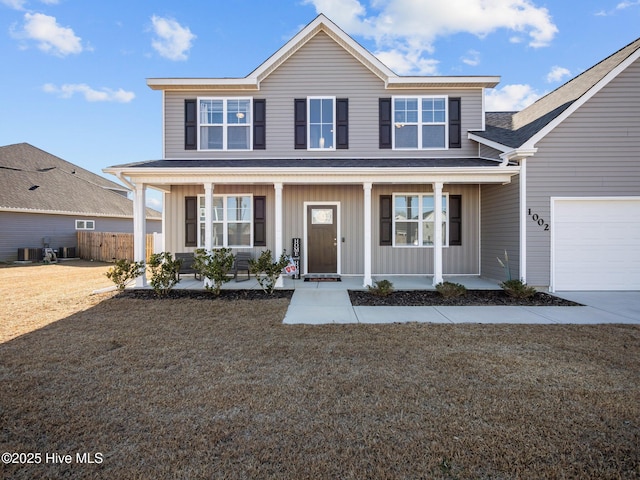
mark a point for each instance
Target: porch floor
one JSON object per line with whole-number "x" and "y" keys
{"x": 413, "y": 282}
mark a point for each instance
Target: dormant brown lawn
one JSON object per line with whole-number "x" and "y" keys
{"x": 221, "y": 389}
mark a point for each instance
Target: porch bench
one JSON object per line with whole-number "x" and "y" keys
{"x": 186, "y": 265}
{"x": 241, "y": 264}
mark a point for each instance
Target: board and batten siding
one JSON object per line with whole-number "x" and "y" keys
{"x": 456, "y": 260}
{"x": 321, "y": 67}
{"x": 500, "y": 230}
{"x": 594, "y": 152}
{"x": 389, "y": 260}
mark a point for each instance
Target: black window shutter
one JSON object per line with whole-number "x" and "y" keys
{"x": 342, "y": 122}
{"x": 455, "y": 123}
{"x": 191, "y": 221}
{"x": 384, "y": 113}
{"x": 455, "y": 220}
{"x": 259, "y": 124}
{"x": 190, "y": 124}
{"x": 300, "y": 120}
{"x": 259, "y": 221}
{"x": 386, "y": 220}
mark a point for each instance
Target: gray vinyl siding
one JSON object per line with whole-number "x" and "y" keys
{"x": 500, "y": 214}
{"x": 386, "y": 260}
{"x": 27, "y": 230}
{"x": 457, "y": 260}
{"x": 594, "y": 152}
{"x": 488, "y": 152}
{"x": 321, "y": 67}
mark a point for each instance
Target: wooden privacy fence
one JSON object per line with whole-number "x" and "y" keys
{"x": 109, "y": 247}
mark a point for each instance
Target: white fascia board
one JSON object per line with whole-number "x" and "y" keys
{"x": 203, "y": 83}
{"x": 169, "y": 176}
{"x": 442, "y": 82}
{"x": 582, "y": 100}
{"x": 489, "y": 143}
{"x": 64, "y": 212}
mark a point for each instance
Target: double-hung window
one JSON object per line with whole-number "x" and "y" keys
{"x": 321, "y": 122}
{"x": 413, "y": 220}
{"x": 420, "y": 122}
{"x": 232, "y": 221}
{"x": 224, "y": 123}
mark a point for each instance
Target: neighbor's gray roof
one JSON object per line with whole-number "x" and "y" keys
{"x": 318, "y": 163}
{"x": 62, "y": 187}
{"x": 513, "y": 129}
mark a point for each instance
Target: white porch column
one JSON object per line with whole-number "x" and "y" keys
{"x": 523, "y": 220}
{"x": 208, "y": 216}
{"x": 208, "y": 222}
{"x": 140, "y": 230}
{"x": 437, "y": 230}
{"x": 368, "y": 281}
{"x": 279, "y": 245}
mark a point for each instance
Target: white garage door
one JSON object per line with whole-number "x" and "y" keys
{"x": 596, "y": 244}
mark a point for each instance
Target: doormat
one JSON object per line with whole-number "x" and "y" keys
{"x": 322, "y": 278}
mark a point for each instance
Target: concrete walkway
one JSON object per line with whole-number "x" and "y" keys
{"x": 323, "y": 306}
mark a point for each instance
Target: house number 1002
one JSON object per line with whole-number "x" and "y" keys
{"x": 540, "y": 221}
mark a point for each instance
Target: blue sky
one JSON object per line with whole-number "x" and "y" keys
{"x": 73, "y": 71}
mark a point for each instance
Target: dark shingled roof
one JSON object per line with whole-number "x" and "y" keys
{"x": 32, "y": 179}
{"x": 513, "y": 129}
{"x": 318, "y": 163}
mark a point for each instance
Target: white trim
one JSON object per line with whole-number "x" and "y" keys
{"x": 419, "y": 222}
{"x": 552, "y": 240}
{"x": 140, "y": 230}
{"x": 305, "y": 246}
{"x": 93, "y": 224}
{"x": 523, "y": 220}
{"x": 489, "y": 143}
{"x": 202, "y": 242}
{"x": 437, "y": 232}
{"x": 164, "y": 124}
{"x": 368, "y": 237}
{"x": 279, "y": 229}
{"x": 71, "y": 214}
{"x": 333, "y": 123}
{"x": 224, "y": 125}
{"x": 420, "y": 123}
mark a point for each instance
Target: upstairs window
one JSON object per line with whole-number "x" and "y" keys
{"x": 420, "y": 123}
{"x": 321, "y": 123}
{"x": 224, "y": 123}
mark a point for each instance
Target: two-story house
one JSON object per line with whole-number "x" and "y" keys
{"x": 377, "y": 174}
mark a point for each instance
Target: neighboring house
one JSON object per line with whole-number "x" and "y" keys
{"x": 46, "y": 200}
{"x": 378, "y": 174}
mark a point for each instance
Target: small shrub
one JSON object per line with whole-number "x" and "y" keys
{"x": 164, "y": 272}
{"x": 381, "y": 288}
{"x": 267, "y": 271}
{"x": 214, "y": 266}
{"x": 518, "y": 289}
{"x": 451, "y": 290}
{"x": 124, "y": 271}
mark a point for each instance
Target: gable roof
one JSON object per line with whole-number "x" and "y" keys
{"x": 524, "y": 128}
{"x": 321, "y": 24}
{"x": 35, "y": 181}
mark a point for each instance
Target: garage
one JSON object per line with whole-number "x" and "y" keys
{"x": 595, "y": 243}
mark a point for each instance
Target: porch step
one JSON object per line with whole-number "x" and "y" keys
{"x": 322, "y": 277}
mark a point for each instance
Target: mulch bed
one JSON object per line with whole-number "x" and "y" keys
{"x": 147, "y": 294}
{"x": 472, "y": 298}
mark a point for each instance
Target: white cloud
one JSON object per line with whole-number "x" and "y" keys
{"x": 173, "y": 41}
{"x": 410, "y": 27}
{"x": 472, "y": 58}
{"x": 620, "y": 6}
{"x": 49, "y": 35}
{"x": 510, "y": 98}
{"x": 91, "y": 95}
{"x": 557, "y": 74}
{"x": 21, "y": 4}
